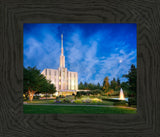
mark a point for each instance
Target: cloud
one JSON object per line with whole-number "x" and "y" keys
{"x": 44, "y": 54}
{"x": 82, "y": 58}
{"x": 100, "y": 53}
{"x": 112, "y": 67}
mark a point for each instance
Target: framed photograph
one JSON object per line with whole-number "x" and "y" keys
{"x": 90, "y": 68}
{"x": 43, "y": 37}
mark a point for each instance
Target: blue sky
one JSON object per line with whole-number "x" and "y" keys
{"x": 92, "y": 50}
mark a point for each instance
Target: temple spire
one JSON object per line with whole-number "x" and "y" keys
{"x": 61, "y": 44}
{"x": 62, "y": 57}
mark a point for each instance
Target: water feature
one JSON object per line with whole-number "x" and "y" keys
{"x": 121, "y": 96}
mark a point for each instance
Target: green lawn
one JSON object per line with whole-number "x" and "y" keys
{"x": 49, "y": 109}
{"x": 43, "y": 101}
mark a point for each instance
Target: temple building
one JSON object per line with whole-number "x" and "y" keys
{"x": 66, "y": 82}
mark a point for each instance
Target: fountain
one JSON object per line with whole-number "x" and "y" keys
{"x": 121, "y": 96}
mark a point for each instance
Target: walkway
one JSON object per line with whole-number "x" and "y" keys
{"x": 79, "y": 105}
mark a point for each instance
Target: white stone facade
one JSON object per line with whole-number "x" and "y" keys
{"x": 64, "y": 80}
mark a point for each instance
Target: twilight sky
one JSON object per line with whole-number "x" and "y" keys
{"x": 92, "y": 50}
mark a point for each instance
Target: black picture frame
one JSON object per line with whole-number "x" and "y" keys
{"x": 145, "y": 123}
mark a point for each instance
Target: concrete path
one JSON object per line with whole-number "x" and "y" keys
{"x": 78, "y": 105}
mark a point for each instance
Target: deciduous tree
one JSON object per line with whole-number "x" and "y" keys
{"x": 106, "y": 84}
{"x": 34, "y": 81}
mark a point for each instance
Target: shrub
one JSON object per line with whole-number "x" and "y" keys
{"x": 46, "y": 95}
{"x": 61, "y": 96}
{"x": 131, "y": 94}
{"x": 53, "y": 95}
{"x": 120, "y": 103}
{"x": 111, "y": 91}
{"x": 96, "y": 100}
{"x": 80, "y": 93}
{"x": 36, "y": 97}
{"x": 86, "y": 100}
{"x": 78, "y": 101}
{"x": 92, "y": 92}
{"x": 110, "y": 99}
{"x": 73, "y": 94}
{"x": 115, "y": 93}
{"x": 66, "y": 100}
{"x": 96, "y": 92}
{"x": 69, "y": 96}
{"x": 57, "y": 98}
{"x": 58, "y": 101}
{"x": 25, "y": 97}
{"x": 132, "y": 101}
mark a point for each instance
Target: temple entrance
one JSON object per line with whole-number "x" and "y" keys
{"x": 65, "y": 93}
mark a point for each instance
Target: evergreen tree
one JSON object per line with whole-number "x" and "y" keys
{"x": 113, "y": 84}
{"x": 98, "y": 86}
{"x": 118, "y": 82}
{"x": 85, "y": 85}
{"x": 124, "y": 85}
{"x": 132, "y": 78}
{"x": 80, "y": 86}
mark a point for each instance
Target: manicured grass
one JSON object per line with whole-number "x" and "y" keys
{"x": 50, "y": 109}
{"x": 43, "y": 101}
{"x": 99, "y": 103}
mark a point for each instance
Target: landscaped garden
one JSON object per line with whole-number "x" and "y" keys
{"x": 83, "y": 104}
{"x": 71, "y": 100}
{"x": 84, "y": 98}
{"x": 39, "y": 96}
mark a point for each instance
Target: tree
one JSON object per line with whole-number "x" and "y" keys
{"x": 132, "y": 78}
{"x": 85, "y": 85}
{"x": 98, "y": 86}
{"x": 113, "y": 84}
{"x": 34, "y": 82}
{"x": 124, "y": 85}
{"x": 118, "y": 82}
{"x": 80, "y": 86}
{"x": 89, "y": 86}
{"x": 48, "y": 88}
{"x": 106, "y": 84}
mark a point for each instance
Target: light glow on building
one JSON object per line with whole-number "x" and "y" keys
{"x": 66, "y": 82}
